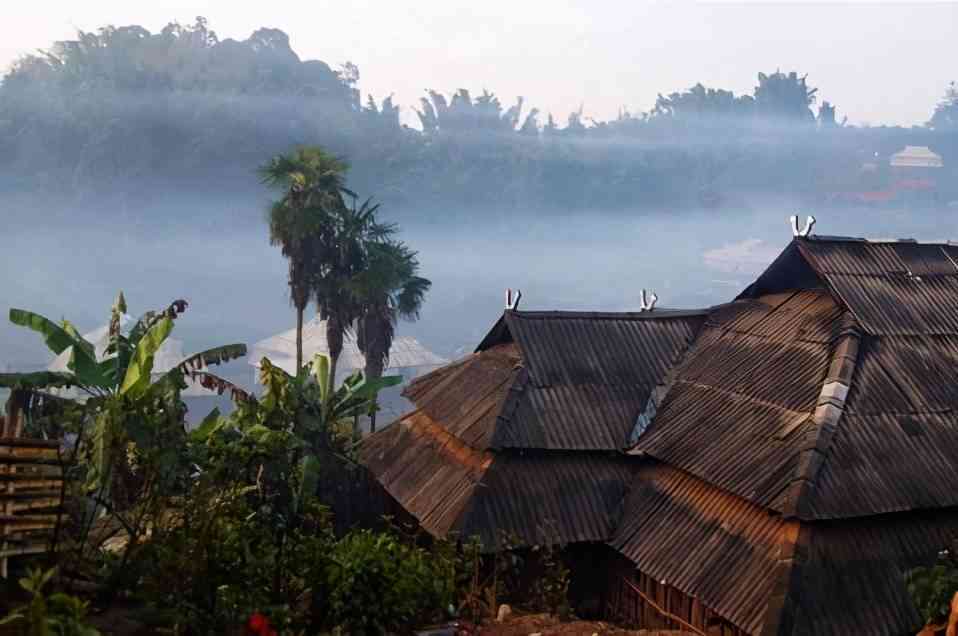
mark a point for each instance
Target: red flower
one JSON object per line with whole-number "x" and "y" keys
{"x": 259, "y": 624}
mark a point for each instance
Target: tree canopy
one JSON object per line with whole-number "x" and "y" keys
{"x": 123, "y": 106}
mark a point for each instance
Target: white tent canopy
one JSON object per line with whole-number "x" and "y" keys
{"x": 406, "y": 352}
{"x": 168, "y": 356}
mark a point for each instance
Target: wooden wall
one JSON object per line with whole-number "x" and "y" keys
{"x": 30, "y": 496}
{"x": 637, "y": 600}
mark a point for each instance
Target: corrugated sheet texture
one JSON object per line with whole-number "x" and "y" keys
{"x": 892, "y": 288}
{"x": 549, "y": 497}
{"x": 466, "y": 397}
{"x": 427, "y": 470}
{"x": 897, "y": 446}
{"x": 705, "y": 542}
{"x": 589, "y": 375}
{"x": 742, "y": 401}
{"x": 852, "y": 581}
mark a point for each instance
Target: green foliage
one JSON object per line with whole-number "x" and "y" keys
{"x": 304, "y": 223}
{"x": 229, "y": 559}
{"x": 130, "y": 454}
{"x": 247, "y": 533}
{"x": 932, "y": 588}
{"x": 388, "y": 288}
{"x": 550, "y": 589}
{"x": 379, "y": 584}
{"x": 46, "y": 614}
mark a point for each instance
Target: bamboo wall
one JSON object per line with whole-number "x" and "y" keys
{"x": 641, "y": 601}
{"x": 31, "y": 478}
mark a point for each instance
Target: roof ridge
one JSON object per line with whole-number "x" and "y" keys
{"x": 662, "y": 313}
{"x": 825, "y": 421}
{"x": 825, "y": 238}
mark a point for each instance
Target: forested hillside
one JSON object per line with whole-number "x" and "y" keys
{"x": 123, "y": 109}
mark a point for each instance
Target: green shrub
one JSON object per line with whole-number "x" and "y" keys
{"x": 932, "y": 588}
{"x": 377, "y": 583}
{"x": 44, "y": 615}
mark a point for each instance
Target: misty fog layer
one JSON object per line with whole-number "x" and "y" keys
{"x": 235, "y": 281}
{"x": 127, "y": 162}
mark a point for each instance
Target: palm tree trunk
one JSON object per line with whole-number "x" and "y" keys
{"x": 375, "y": 354}
{"x": 373, "y": 369}
{"x": 334, "y": 342}
{"x": 299, "y": 338}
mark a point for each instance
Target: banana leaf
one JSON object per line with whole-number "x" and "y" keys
{"x": 58, "y": 339}
{"x": 309, "y": 482}
{"x": 37, "y": 380}
{"x": 212, "y": 357}
{"x": 221, "y": 386}
{"x": 209, "y": 426}
{"x": 137, "y": 378}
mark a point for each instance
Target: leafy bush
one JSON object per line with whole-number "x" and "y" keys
{"x": 932, "y": 588}
{"x": 550, "y": 590}
{"x": 379, "y": 584}
{"x": 57, "y": 613}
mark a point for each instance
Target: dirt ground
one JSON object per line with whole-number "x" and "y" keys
{"x": 550, "y": 626}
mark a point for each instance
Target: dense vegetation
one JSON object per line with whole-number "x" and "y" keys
{"x": 229, "y": 510}
{"x": 127, "y": 107}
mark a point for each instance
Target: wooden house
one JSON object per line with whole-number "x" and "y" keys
{"x": 772, "y": 466}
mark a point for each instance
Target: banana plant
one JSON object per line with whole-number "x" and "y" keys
{"x": 123, "y": 401}
{"x": 301, "y": 414}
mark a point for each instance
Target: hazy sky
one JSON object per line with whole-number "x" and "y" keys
{"x": 878, "y": 62}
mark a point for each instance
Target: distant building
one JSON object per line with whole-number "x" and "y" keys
{"x": 916, "y": 157}
{"x": 915, "y": 169}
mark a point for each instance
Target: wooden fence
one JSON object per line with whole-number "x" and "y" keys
{"x": 31, "y": 479}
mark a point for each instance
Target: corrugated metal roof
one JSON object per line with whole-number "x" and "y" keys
{"x": 466, "y": 397}
{"x": 537, "y": 498}
{"x": 588, "y": 374}
{"x": 852, "y": 580}
{"x": 897, "y": 446}
{"x": 427, "y": 470}
{"x": 739, "y": 410}
{"x": 548, "y": 497}
{"x": 707, "y": 543}
{"x": 841, "y": 578}
{"x": 902, "y": 288}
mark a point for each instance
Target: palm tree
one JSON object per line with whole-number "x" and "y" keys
{"x": 342, "y": 256}
{"x": 390, "y": 288}
{"x": 312, "y": 183}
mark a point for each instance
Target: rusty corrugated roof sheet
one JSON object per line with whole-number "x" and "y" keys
{"x": 556, "y": 380}
{"x": 741, "y": 404}
{"x": 536, "y": 497}
{"x": 707, "y": 543}
{"x": 841, "y": 577}
{"x": 851, "y": 580}
{"x": 897, "y": 446}
{"x": 428, "y": 471}
{"x": 556, "y": 395}
{"x": 588, "y": 374}
{"x": 466, "y": 397}
{"x": 894, "y": 288}
{"x": 549, "y": 497}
